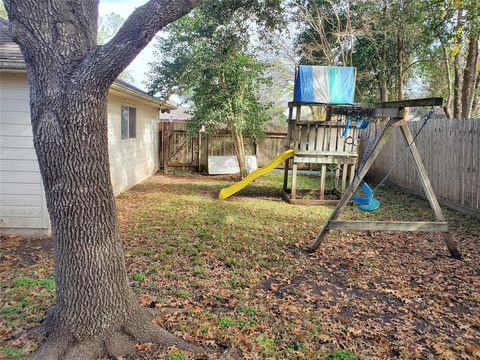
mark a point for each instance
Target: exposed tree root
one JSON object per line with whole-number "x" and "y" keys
{"x": 118, "y": 342}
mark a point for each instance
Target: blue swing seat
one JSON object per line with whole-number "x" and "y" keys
{"x": 367, "y": 203}
{"x": 362, "y": 124}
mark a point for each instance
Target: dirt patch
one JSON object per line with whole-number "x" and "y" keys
{"x": 24, "y": 252}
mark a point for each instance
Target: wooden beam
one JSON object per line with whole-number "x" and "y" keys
{"x": 434, "y": 101}
{"x": 325, "y": 160}
{"x": 423, "y": 226}
{"x": 427, "y": 187}
{"x": 323, "y": 123}
{"x": 325, "y": 153}
{"x": 327, "y": 202}
{"x": 367, "y": 112}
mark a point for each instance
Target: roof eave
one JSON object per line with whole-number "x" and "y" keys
{"x": 163, "y": 104}
{"x": 9, "y": 66}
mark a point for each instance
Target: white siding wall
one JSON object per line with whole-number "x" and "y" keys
{"x": 22, "y": 200}
{"x": 132, "y": 160}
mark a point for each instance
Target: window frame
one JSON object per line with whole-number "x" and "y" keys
{"x": 125, "y": 132}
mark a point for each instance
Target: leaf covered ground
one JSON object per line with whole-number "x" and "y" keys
{"x": 232, "y": 275}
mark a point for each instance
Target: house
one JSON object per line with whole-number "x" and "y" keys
{"x": 133, "y": 118}
{"x": 181, "y": 113}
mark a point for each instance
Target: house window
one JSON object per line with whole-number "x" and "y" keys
{"x": 129, "y": 122}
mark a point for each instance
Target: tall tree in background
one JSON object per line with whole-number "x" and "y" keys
{"x": 350, "y": 33}
{"x": 96, "y": 312}
{"x": 456, "y": 26}
{"x": 392, "y": 42}
{"x": 207, "y": 59}
{"x": 328, "y": 35}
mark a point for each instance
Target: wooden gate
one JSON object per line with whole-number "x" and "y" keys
{"x": 177, "y": 148}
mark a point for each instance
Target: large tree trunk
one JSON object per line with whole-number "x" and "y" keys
{"x": 96, "y": 312}
{"x": 457, "y": 87}
{"x": 382, "y": 85}
{"x": 470, "y": 77}
{"x": 240, "y": 151}
{"x": 476, "y": 98}
{"x": 95, "y": 308}
{"x": 400, "y": 61}
{"x": 382, "y": 80}
{"x": 448, "y": 106}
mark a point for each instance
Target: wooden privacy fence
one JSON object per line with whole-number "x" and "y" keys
{"x": 450, "y": 150}
{"x": 178, "y": 150}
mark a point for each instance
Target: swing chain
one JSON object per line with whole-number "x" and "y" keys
{"x": 407, "y": 149}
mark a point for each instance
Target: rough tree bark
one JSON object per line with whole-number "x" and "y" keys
{"x": 400, "y": 60}
{"x": 476, "y": 98}
{"x": 382, "y": 85}
{"x": 470, "y": 77}
{"x": 457, "y": 71}
{"x": 96, "y": 312}
{"x": 448, "y": 106}
{"x": 381, "y": 76}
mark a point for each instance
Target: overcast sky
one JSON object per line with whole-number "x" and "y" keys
{"x": 139, "y": 66}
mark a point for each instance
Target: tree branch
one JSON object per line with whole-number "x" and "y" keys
{"x": 107, "y": 62}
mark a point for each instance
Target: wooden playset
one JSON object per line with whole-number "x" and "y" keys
{"x": 333, "y": 143}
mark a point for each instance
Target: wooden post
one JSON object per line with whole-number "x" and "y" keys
{"x": 344, "y": 177}
{"x": 352, "y": 173}
{"x": 166, "y": 137}
{"x": 427, "y": 187}
{"x": 387, "y": 131}
{"x": 292, "y": 133}
{"x": 322, "y": 181}
{"x": 287, "y": 146}
{"x": 293, "y": 193}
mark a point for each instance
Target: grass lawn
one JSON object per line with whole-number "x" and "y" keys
{"x": 233, "y": 275}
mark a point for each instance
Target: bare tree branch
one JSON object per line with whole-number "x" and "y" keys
{"x": 104, "y": 64}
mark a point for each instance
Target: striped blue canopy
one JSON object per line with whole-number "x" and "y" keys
{"x": 325, "y": 84}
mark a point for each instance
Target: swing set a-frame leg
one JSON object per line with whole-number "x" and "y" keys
{"x": 362, "y": 171}
{"x": 428, "y": 189}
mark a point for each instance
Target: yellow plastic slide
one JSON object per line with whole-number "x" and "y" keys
{"x": 229, "y": 191}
